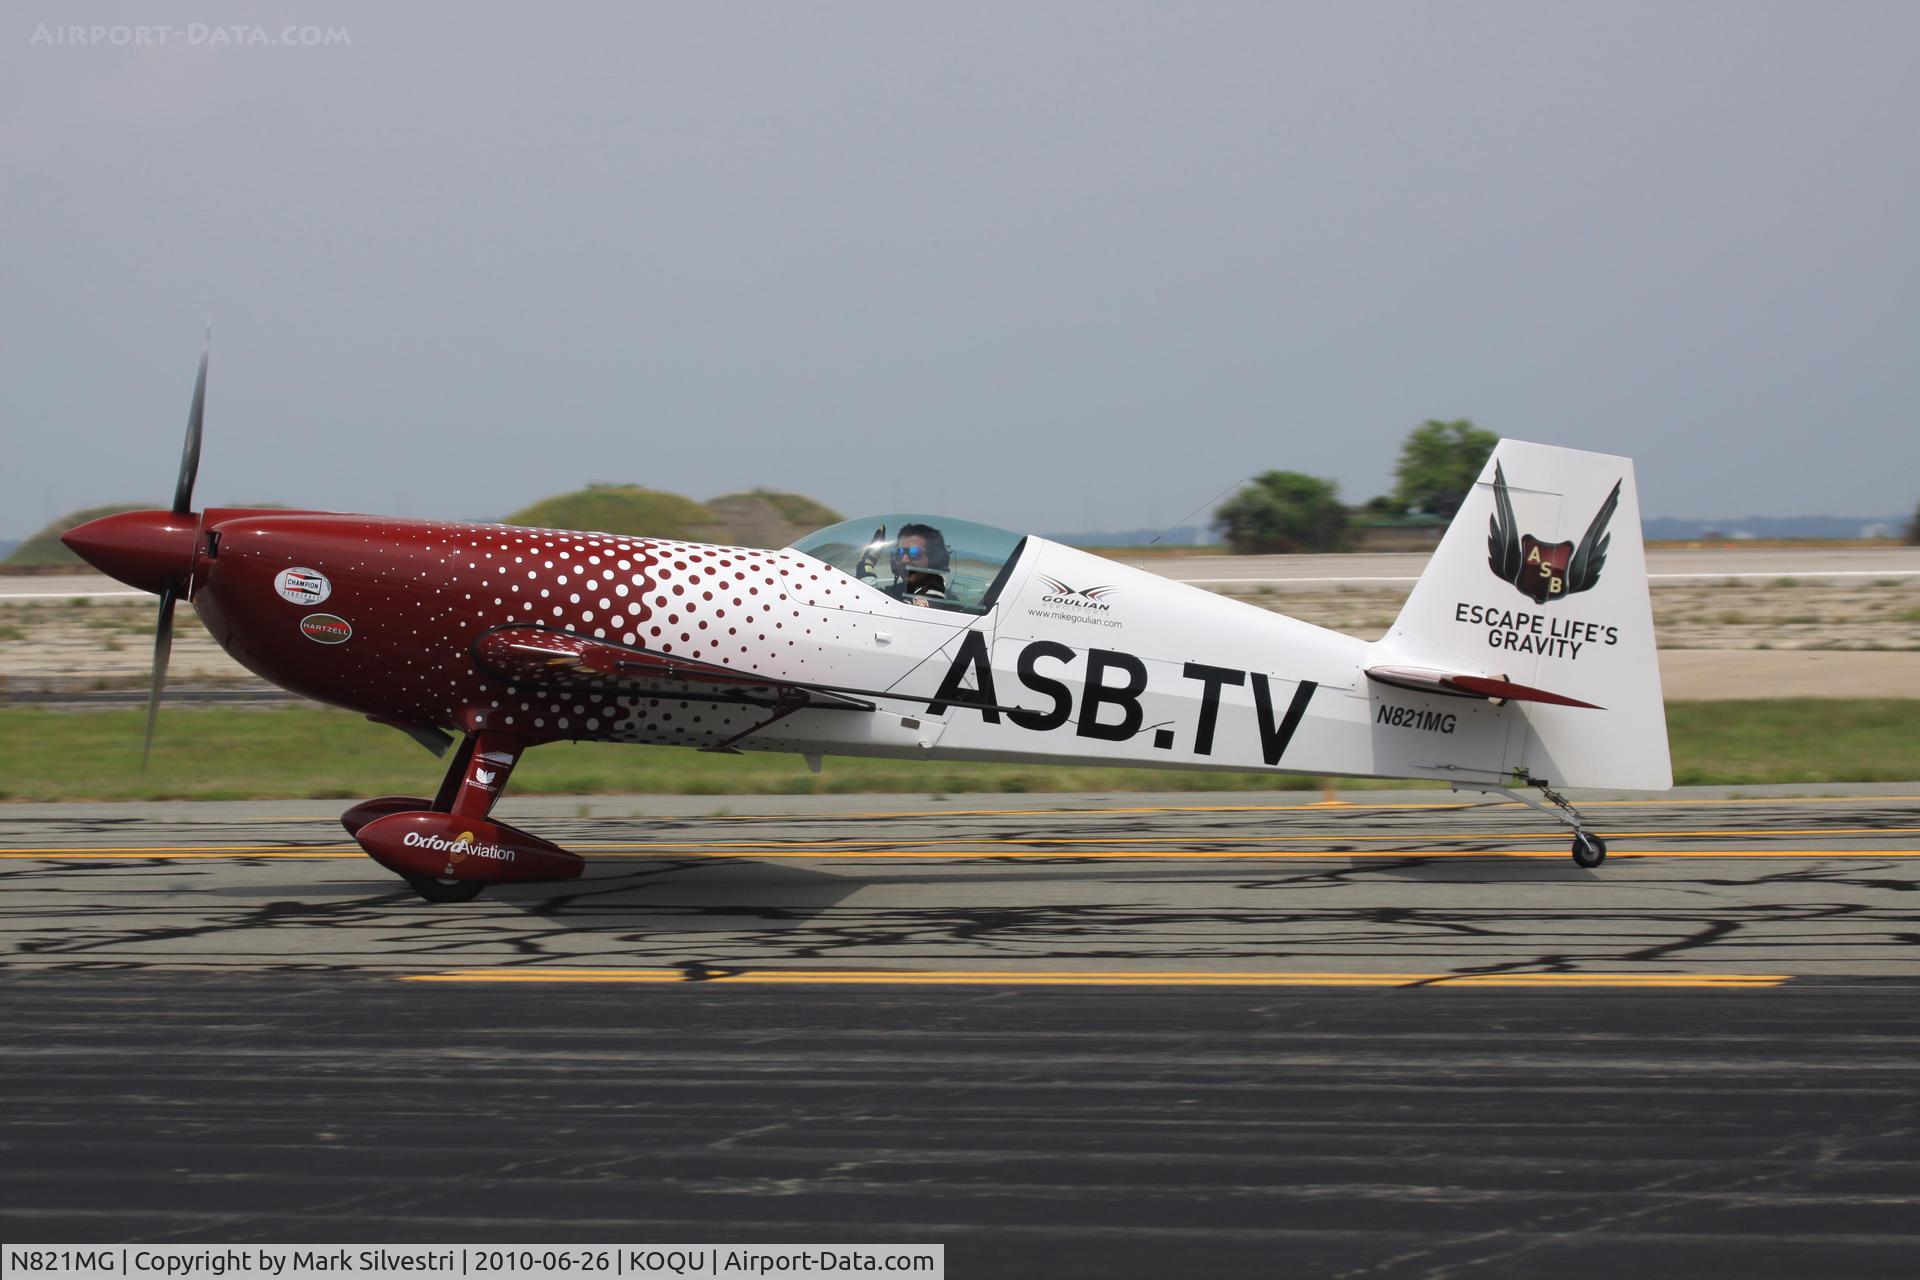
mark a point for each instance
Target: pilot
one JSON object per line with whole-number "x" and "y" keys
{"x": 920, "y": 565}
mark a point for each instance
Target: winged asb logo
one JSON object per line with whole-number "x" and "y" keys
{"x": 1540, "y": 570}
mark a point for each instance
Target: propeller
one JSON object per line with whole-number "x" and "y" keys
{"x": 162, "y": 648}
{"x": 190, "y": 452}
{"x": 182, "y": 505}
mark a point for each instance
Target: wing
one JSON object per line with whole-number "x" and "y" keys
{"x": 1503, "y": 532}
{"x": 541, "y": 657}
{"x": 1591, "y": 555}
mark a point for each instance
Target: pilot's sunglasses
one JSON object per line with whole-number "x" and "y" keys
{"x": 910, "y": 553}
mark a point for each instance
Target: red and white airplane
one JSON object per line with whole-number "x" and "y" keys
{"x": 1524, "y": 657}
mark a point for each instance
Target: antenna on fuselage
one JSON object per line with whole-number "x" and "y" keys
{"x": 1197, "y": 510}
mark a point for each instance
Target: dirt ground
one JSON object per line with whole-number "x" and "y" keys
{"x": 1740, "y": 639}
{"x": 1715, "y": 674}
{"x": 1776, "y": 639}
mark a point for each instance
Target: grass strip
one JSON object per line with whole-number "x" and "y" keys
{"x": 221, "y": 753}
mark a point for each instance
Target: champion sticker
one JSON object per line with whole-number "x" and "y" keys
{"x": 326, "y": 628}
{"x": 302, "y": 586}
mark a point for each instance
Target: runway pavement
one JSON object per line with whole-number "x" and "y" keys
{"x": 1136, "y": 1035}
{"x": 1420, "y": 881}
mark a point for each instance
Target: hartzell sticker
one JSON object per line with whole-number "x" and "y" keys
{"x": 326, "y": 628}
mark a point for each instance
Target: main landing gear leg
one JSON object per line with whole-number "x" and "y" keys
{"x": 1589, "y": 850}
{"x": 476, "y": 776}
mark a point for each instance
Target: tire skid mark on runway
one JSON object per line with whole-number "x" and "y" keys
{"x": 610, "y": 923}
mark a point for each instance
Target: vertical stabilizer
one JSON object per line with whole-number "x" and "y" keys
{"x": 1541, "y": 581}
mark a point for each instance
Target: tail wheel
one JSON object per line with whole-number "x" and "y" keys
{"x": 446, "y": 890}
{"x": 1589, "y": 851}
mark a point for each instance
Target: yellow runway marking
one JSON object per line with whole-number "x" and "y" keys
{"x": 843, "y": 843}
{"x": 188, "y": 851}
{"x": 1350, "y": 806}
{"x": 1103, "y": 978}
{"x": 629, "y": 853}
{"x": 1321, "y": 805}
{"x": 1308, "y": 807}
{"x": 1232, "y": 855}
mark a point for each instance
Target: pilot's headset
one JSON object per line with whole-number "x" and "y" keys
{"x": 934, "y": 558}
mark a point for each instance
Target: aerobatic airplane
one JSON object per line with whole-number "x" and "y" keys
{"x": 1523, "y": 659}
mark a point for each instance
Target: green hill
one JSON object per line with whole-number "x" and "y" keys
{"x": 764, "y": 518}
{"x": 45, "y": 550}
{"x": 794, "y": 508}
{"x": 622, "y": 508}
{"x": 759, "y": 518}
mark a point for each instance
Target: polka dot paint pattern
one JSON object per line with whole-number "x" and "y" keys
{"x": 422, "y": 596}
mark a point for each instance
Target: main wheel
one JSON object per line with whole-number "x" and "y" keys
{"x": 446, "y": 890}
{"x": 1589, "y": 851}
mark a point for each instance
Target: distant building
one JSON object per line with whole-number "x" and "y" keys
{"x": 1373, "y": 531}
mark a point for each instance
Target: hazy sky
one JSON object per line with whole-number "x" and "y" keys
{"x": 1050, "y": 265}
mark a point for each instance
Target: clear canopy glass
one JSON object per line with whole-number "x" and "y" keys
{"x": 932, "y": 560}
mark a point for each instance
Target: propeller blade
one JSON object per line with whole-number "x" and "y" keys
{"x": 162, "y": 648}
{"x": 190, "y": 454}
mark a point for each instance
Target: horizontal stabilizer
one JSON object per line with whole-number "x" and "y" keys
{"x": 1468, "y": 686}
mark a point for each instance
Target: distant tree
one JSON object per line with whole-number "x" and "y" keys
{"x": 1283, "y": 511}
{"x": 1385, "y": 505}
{"x": 1439, "y": 463}
{"x": 1913, "y": 530}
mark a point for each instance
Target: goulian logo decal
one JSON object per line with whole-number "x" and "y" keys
{"x": 1545, "y": 571}
{"x": 1059, "y": 592}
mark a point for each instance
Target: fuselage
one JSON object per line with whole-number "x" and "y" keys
{"x": 1075, "y": 659}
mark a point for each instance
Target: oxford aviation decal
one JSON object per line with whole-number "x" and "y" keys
{"x": 1109, "y": 706}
